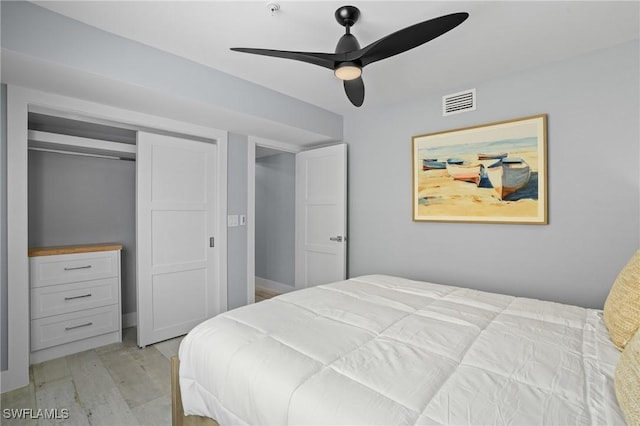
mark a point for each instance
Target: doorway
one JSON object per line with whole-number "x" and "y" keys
{"x": 275, "y": 174}
{"x": 296, "y": 216}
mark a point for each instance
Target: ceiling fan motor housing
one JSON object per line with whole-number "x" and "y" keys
{"x": 347, "y": 43}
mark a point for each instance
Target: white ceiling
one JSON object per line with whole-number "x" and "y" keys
{"x": 498, "y": 38}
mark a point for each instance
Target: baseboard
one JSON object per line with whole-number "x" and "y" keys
{"x": 129, "y": 320}
{"x": 273, "y": 285}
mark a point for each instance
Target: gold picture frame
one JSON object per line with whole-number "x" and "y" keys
{"x": 492, "y": 173}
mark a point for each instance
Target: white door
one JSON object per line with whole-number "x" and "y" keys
{"x": 176, "y": 283}
{"x": 321, "y": 216}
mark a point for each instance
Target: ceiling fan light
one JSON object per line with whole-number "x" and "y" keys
{"x": 348, "y": 71}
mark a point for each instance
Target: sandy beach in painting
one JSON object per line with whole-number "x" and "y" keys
{"x": 440, "y": 195}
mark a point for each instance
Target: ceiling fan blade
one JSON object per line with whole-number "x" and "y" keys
{"x": 355, "y": 91}
{"x": 326, "y": 60}
{"x": 408, "y": 38}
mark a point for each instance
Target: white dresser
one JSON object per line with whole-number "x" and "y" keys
{"x": 75, "y": 299}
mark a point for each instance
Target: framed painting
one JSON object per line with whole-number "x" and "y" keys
{"x": 493, "y": 173}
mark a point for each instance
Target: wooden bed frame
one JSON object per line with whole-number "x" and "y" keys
{"x": 177, "y": 413}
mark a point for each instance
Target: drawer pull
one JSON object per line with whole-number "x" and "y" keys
{"x": 77, "y": 267}
{"x": 78, "y": 297}
{"x": 78, "y": 326}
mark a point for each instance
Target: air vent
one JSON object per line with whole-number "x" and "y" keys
{"x": 459, "y": 102}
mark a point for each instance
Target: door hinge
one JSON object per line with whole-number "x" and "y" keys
{"x": 212, "y": 242}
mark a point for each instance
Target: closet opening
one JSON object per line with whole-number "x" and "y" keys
{"x": 82, "y": 191}
{"x": 150, "y": 195}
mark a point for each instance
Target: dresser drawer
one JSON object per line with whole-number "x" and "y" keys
{"x": 65, "y": 328}
{"x": 68, "y": 268}
{"x": 65, "y": 298}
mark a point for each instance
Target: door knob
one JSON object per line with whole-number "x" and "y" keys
{"x": 337, "y": 239}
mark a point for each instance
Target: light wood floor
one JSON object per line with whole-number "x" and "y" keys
{"x": 118, "y": 384}
{"x": 115, "y": 385}
{"x": 264, "y": 293}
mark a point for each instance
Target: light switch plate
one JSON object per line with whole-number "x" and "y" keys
{"x": 232, "y": 220}
{"x": 243, "y": 220}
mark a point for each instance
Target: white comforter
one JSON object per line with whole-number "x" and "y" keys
{"x": 385, "y": 350}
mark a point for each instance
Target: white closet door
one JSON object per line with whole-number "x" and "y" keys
{"x": 176, "y": 284}
{"x": 321, "y": 215}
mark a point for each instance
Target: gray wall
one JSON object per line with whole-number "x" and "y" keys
{"x": 275, "y": 218}
{"x": 4, "y": 328}
{"x": 81, "y": 200}
{"x": 237, "y": 156}
{"x": 37, "y": 32}
{"x": 593, "y": 111}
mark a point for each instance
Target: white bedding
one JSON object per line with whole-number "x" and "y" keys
{"x": 385, "y": 350}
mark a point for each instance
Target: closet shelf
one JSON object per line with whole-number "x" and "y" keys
{"x": 75, "y": 144}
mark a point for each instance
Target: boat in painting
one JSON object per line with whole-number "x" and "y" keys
{"x": 495, "y": 156}
{"x": 489, "y": 163}
{"x": 454, "y": 161}
{"x": 433, "y": 164}
{"x": 466, "y": 172}
{"x": 508, "y": 176}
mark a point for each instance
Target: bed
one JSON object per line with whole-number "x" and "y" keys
{"x": 385, "y": 350}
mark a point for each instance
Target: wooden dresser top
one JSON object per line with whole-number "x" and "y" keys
{"x": 81, "y": 248}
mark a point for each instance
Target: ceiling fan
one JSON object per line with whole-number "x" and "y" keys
{"x": 349, "y": 59}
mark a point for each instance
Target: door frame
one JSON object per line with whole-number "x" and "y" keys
{"x": 21, "y": 101}
{"x": 251, "y": 204}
